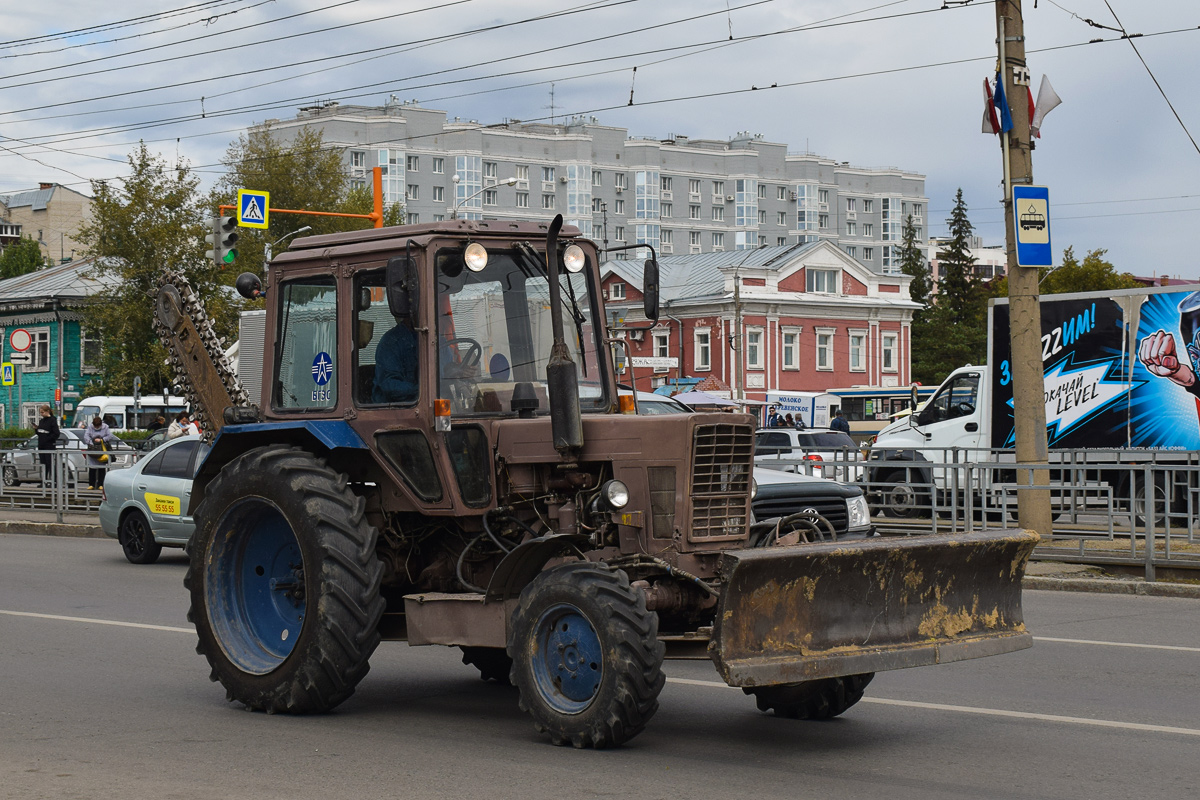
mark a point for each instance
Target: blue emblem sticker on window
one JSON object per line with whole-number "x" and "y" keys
{"x": 322, "y": 368}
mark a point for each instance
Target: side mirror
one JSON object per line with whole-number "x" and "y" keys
{"x": 402, "y": 288}
{"x": 650, "y": 290}
{"x": 249, "y": 286}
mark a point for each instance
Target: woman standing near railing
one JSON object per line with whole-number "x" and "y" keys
{"x": 47, "y": 439}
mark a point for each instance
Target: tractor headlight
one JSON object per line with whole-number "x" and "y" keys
{"x": 858, "y": 514}
{"x": 753, "y": 488}
{"x": 615, "y": 494}
{"x": 476, "y": 257}
{"x": 573, "y": 258}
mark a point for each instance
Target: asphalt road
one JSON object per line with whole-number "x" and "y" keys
{"x": 119, "y": 705}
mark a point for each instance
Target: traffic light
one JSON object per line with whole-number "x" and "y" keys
{"x": 222, "y": 240}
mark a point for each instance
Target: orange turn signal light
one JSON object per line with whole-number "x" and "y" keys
{"x": 625, "y": 404}
{"x": 441, "y": 408}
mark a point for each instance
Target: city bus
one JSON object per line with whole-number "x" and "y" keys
{"x": 869, "y": 409}
{"x": 121, "y": 413}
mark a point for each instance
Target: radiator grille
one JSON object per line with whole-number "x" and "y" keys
{"x": 721, "y": 459}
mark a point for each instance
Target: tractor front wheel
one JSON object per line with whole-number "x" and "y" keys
{"x": 586, "y": 656}
{"x": 284, "y": 582}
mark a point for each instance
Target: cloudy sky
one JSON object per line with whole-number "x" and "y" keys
{"x": 866, "y": 81}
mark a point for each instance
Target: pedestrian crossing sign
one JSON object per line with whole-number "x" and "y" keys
{"x": 8, "y": 374}
{"x": 254, "y": 208}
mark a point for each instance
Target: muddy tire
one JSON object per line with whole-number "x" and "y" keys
{"x": 137, "y": 540}
{"x": 493, "y": 664}
{"x": 900, "y": 500}
{"x": 586, "y": 656}
{"x": 820, "y": 699}
{"x": 284, "y": 582}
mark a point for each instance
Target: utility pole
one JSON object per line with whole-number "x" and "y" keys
{"x": 1029, "y": 409}
{"x": 739, "y": 368}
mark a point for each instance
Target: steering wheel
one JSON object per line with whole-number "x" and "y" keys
{"x": 468, "y": 364}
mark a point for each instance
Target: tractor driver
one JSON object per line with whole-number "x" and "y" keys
{"x": 396, "y": 366}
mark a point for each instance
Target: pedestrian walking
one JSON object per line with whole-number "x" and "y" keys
{"x": 99, "y": 441}
{"x": 839, "y": 422}
{"x": 47, "y": 439}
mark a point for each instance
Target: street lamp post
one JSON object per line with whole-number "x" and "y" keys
{"x": 459, "y": 204}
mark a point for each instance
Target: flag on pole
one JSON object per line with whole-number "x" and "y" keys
{"x": 1047, "y": 101}
{"x": 1001, "y": 103}
{"x": 990, "y": 123}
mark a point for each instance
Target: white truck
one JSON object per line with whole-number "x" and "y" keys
{"x": 1121, "y": 389}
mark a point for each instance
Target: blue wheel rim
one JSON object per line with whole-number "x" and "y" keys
{"x": 568, "y": 661}
{"x": 254, "y": 586}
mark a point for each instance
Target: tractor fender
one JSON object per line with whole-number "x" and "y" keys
{"x": 527, "y": 559}
{"x": 324, "y": 438}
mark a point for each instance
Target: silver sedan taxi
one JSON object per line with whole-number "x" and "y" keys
{"x": 145, "y": 507}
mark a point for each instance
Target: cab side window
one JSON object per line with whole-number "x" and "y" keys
{"x": 956, "y": 399}
{"x": 387, "y": 355}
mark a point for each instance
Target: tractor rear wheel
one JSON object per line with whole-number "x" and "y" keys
{"x": 586, "y": 656}
{"x": 820, "y": 699}
{"x": 284, "y": 582}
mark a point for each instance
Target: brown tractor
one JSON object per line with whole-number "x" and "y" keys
{"x": 441, "y": 455}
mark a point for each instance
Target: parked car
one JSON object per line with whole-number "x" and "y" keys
{"x": 780, "y": 493}
{"x": 22, "y": 465}
{"x": 830, "y": 453}
{"x": 145, "y": 507}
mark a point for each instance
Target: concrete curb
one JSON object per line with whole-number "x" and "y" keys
{"x": 54, "y": 529}
{"x": 1101, "y": 586}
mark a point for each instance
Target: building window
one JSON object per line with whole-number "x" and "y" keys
{"x": 412, "y": 192}
{"x": 889, "y": 352}
{"x": 662, "y": 345}
{"x": 664, "y": 184}
{"x": 548, "y": 201}
{"x": 790, "y": 354}
{"x": 868, "y": 230}
{"x": 490, "y": 196}
{"x": 693, "y": 212}
{"x": 439, "y": 217}
{"x": 665, "y": 210}
{"x": 522, "y": 199}
{"x": 718, "y": 213}
{"x": 619, "y": 207}
{"x": 851, "y": 204}
{"x": 619, "y": 180}
{"x": 358, "y": 183}
{"x": 596, "y": 201}
{"x": 90, "y": 351}
{"x": 694, "y": 238}
{"x": 703, "y": 349}
{"x": 851, "y": 229}
{"x": 781, "y": 193}
{"x": 822, "y": 195}
{"x": 852, "y": 251}
{"x": 491, "y": 169}
{"x": 824, "y": 281}
{"x": 616, "y": 291}
{"x": 522, "y": 173}
{"x": 903, "y": 210}
{"x": 718, "y": 187}
{"x": 825, "y": 348}
{"x": 597, "y": 178}
{"x": 822, "y": 220}
{"x": 666, "y": 237}
{"x": 694, "y": 186}
{"x": 619, "y": 233}
{"x": 548, "y": 175}
{"x": 718, "y": 241}
{"x": 868, "y": 254}
{"x": 781, "y": 218}
{"x": 868, "y": 206}
{"x": 781, "y": 241}
{"x": 858, "y": 351}
{"x": 762, "y": 241}
{"x": 439, "y": 165}
{"x": 754, "y": 354}
{"x": 439, "y": 194}
{"x": 412, "y": 163}
{"x": 412, "y": 219}
{"x": 358, "y": 158}
{"x": 762, "y": 217}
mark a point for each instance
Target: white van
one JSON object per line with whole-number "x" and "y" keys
{"x": 120, "y": 413}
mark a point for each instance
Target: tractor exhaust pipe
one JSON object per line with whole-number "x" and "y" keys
{"x": 562, "y": 377}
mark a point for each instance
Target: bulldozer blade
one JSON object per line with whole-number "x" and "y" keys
{"x": 791, "y": 614}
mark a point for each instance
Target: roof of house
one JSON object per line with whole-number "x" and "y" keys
{"x": 37, "y": 199}
{"x": 71, "y": 281}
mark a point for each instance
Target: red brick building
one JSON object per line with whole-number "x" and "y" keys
{"x": 812, "y": 318}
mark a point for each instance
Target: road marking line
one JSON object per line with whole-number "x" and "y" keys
{"x": 991, "y": 712}
{"x": 98, "y": 621}
{"x": 1118, "y": 644}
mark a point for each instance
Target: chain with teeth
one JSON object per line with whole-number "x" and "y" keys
{"x": 213, "y": 346}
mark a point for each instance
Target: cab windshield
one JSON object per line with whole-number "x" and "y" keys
{"x": 494, "y": 331}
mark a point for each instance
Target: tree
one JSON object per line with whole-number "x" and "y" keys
{"x": 149, "y": 223}
{"x": 913, "y": 264}
{"x": 303, "y": 174}
{"x": 1092, "y": 275}
{"x": 954, "y": 331}
{"x": 20, "y": 258}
